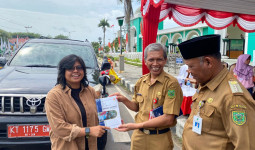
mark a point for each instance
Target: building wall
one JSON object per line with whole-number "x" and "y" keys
{"x": 251, "y": 44}
{"x": 208, "y": 30}
{"x": 136, "y": 22}
{"x": 161, "y": 25}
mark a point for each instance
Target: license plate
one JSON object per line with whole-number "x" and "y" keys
{"x": 16, "y": 131}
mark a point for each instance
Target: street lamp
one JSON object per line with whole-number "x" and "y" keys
{"x": 121, "y": 60}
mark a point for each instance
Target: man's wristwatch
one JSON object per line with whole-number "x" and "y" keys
{"x": 87, "y": 131}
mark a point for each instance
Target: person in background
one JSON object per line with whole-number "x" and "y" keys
{"x": 231, "y": 68}
{"x": 222, "y": 113}
{"x": 244, "y": 72}
{"x": 225, "y": 64}
{"x": 183, "y": 73}
{"x": 111, "y": 62}
{"x": 71, "y": 108}
{"x": 154, "y": 91}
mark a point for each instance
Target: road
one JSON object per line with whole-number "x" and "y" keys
{"x": 121, "y": 140}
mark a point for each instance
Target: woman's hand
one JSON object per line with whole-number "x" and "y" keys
{"x": 97, "y": 131}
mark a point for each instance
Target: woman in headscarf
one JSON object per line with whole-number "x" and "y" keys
{"x": 244, "y": 72}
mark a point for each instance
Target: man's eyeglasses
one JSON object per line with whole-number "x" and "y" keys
{"x": 78, "y": 68}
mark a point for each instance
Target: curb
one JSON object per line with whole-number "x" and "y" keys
{"x": 127, "y": 83}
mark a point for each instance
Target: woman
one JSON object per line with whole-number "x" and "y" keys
{"x": 71, "y": 108}
{"x": 244, "y": 72}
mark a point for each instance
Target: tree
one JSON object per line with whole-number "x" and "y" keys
{"x": 107, "y": 49}
{"x": 60, "y": 36}
{"x": 116, "y": 44}
{"x": 95, "y": 45}
{"x": 4, "y": 35}
{"x": 104, "y": 23}
{"x": 25, "y": 35}
{"x": 128, "y": 14}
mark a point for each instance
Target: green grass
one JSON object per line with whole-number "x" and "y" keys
{"x": 133, "y": 63}
{"x": 133, "y": 60}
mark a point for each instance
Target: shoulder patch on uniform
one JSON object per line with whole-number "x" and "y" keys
{"x": 235, "y": 87}
{"x": 171, "y": 93}
{"x": 238, "y": 106}
{"x": 239, "y": 117}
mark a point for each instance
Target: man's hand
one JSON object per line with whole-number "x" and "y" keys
{"x": 130, "y": 105}
{"x": 129, "y": 126}
{"x": 97, "y": 131}
{"x": 119, "y": 97}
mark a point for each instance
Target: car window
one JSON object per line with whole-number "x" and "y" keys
{"x": 50, "y": 54}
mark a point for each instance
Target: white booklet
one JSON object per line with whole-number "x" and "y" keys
{"x": 108, "y": 112}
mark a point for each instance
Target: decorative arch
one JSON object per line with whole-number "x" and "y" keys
{"x": 175, "y": 38}
{"x": 192, "y": 34}
{"x": 164, "y": 40}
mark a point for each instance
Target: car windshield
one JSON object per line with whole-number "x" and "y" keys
{"x": 49, "y": 54}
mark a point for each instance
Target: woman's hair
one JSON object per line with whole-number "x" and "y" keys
{"x": 67, "y": 63}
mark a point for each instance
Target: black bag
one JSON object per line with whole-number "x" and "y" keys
{"x": 101, "y": 141}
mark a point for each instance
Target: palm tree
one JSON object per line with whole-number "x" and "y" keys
{"x": 128, "y": 14}
{"x": 104, "y": 23}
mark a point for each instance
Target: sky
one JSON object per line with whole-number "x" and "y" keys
{"x": 77, "y": 19}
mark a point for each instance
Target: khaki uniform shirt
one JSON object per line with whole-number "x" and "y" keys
{"x": 228, "y": 116}
{"x": 65, "y": 118}
{"x": 168, "y": 93}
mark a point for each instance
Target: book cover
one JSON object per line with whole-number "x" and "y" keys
{"x": 108, "y": 112}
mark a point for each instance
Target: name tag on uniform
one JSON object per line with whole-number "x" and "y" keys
{"x": 197, "y": 124}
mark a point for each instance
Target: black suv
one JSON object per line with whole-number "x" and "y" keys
{"x": 24, "y": 82}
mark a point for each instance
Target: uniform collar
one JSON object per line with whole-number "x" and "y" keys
{"x": 213, "y": 84}
{"x": 160, "y": 78}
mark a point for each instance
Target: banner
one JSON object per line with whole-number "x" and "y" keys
{"x": 119, "y": 41}
{"x": 126, "y": 38}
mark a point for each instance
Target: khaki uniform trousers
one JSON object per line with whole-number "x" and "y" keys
{"x": 142, "y": 141}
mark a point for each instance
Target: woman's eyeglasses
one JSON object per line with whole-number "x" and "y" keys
{"x": 78, "y": 68}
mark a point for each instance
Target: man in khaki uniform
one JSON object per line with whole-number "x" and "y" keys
{"x": 152, "y": 91}
{"x": 223, "y": 111}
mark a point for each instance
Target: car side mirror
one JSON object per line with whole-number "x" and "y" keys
{"x": 105, "y": 65}
{"x": 3, "y": 61}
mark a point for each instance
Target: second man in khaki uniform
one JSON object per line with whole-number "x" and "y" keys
{"x": 223, "y": 111}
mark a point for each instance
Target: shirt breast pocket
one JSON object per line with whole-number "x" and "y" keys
{"x": 208, "y": 115}
{"x": 140, "y": 100}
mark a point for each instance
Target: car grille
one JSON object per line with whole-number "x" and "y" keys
{"x": 22, "y": 104}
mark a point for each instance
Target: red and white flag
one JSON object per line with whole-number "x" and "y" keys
{"x": 119, "y": 41}
{"x": 126, "y": 38}
{"x": 17, "y": 43}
